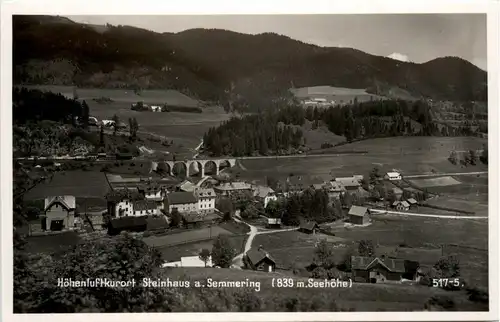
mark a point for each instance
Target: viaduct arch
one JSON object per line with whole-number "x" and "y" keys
{"x": 201, "y": 164}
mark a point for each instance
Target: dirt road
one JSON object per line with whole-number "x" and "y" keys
{"x": 379, "y": 211}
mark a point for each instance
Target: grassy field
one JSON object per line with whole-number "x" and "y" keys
{"x": 410, "y": 238}
{"x": 409, "y": 155}
{"x": 171, "y": 97}
{"x": 359, "y": 297}
{"x": 51, "y": 243}
{"x": 435, "y": 147}
{"x": 186, "y": 129}
{"x": 81, "y": 184}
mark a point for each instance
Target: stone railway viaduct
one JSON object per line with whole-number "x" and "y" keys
{"x": 198, "y": 165}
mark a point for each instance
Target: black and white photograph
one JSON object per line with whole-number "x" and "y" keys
{"x": 313, "y": 162}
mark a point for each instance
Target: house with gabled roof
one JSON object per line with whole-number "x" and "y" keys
{"x": 59, "y": 213}
{"x": 401, "y": 205}
{"x": 145, "y": 208}
{"x": 358, "y": 215}
{"x": 259, "y": 260}
{"x": 377, "y": 269}
{"x": 182, "y": 201}
{"x": 264, "y": 195}
{"x": 309, "y": 227}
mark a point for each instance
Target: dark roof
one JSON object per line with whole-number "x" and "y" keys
{"x": 256, "y": 255}
{"x": 156, "y": 223}
{"x": 122, "y": 194}
{"x": 196, "y": 217}
{"x": 144, "y": 205}
{"x": 365, "y": 263}
{"x": 412, "y": 201}
{"x": 310, "y": 225}
{"x": 128, "y": 222}
{"x": 176, "y": 198}
{"x": 358, "y": 211}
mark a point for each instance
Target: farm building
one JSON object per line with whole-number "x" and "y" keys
{"x": 135, "y": 224}
{"x": 157, "y": 223}
{"x": 351, "y": 184}
{"x": 59, "y": 213}
{"x": 259, "y": 260}
{"x": 274, "y": 222}
{"x": 309, "y": 227}
{"x": 412, "y": 202}
{"x": 206, "y": 199}
{"x": 195, "y": 219}
{"x": 120, "y": 204}
{"x": 335, "y": 189}
{"x": 393, "y": 176}
{"x": 186, "y": 186}
{"x": 184, "y": 202}
{"x": 377, "y": 269}
{"x": 401, "y": 205}
{"x": 264, "y": 195}
{"x": 359, "y": 215}
{"x": 227, "y": 189}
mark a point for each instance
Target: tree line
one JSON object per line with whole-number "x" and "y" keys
{"x": 252, "y": 134}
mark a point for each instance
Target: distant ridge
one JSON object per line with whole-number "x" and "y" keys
{"x": 206, "y": 63}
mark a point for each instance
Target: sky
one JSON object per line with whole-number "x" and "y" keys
{"x": 407, "y": 37}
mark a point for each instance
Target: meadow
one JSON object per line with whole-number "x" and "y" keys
{"x": 186, "y": 129}
{"x": 360, "y": 297}
{"x": 83, "y": 184}
{"x": 412, "y": 238}
{"x": 408, "y": 155}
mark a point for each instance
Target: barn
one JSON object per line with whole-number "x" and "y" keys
{"x": 377, "y": 269}
{"x": 359, "y": 215}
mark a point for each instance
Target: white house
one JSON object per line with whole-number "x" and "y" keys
{"x": 155, "y": 108}
{"x": 264, "y": 194}
{"x": 145, "y": 208}
{"x": 393, "y": 176}
{"x": 206, "y": 199}
{"x": 189, "y": 261}
{"x": 108, "y": 123}
{"x": 59, "y": 213}
{"x": 184, "y": 202}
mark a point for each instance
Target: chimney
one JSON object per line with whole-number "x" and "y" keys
{"x": 260, "y": 247}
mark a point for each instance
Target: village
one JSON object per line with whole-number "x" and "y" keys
{"x": 192, "y": 212}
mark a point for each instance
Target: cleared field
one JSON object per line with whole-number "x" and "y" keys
{"x": 435, "y": 182}
{"x": 378, "y": 296}
{"x": 408, "y": 155}
{"x": 337, "y": 94}
{"x": 168, "y": 96}
{"x": 186, "y": 237}
{"x": 91, "y": 184}
{"x": 431, "y": 147}
{"x": 476, "y": 205}
{"x": 405, "y": 237}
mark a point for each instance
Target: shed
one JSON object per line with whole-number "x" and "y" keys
{"x": 259, "y": 260}
{"x": 359, "y": 215}
{"x": 393, "y": 176}
{"x": 127, "y": 224}
{"x": 412, "y": 202}
{"x": 309, "y": 227}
